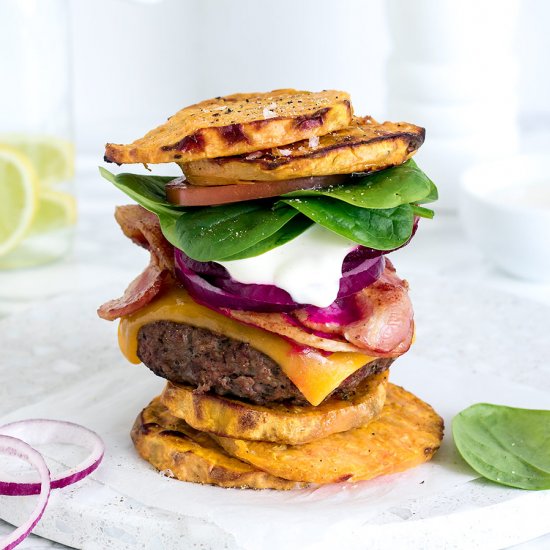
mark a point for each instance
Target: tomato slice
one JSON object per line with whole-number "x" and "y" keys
{"x": 182, "y": 193}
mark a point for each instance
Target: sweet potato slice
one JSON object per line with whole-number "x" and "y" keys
{"x": 366, "y": 146}
{"x": 279, "y": 423}
{"x": 407, "y": 433}
{"x": 236, "y": 124}
{"x": 170, "y": 445}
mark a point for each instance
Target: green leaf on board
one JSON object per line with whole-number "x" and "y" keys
{"x": 508, "y": 445}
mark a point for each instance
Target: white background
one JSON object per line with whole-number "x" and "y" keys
{"x": 134, "y": 64}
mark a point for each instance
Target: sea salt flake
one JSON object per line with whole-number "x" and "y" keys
{"x": 268, "y": 114}
{"x": 314, "y": 142}
{"x": 254, "y": 155}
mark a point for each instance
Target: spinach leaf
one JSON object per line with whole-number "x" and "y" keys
{"x": 422, "y": 212}
{"x": 148, "y": 191}
{"x": 382, "y": 229}
{"x": 145, "y": 190}
{"x": 289, "y": 231}
{"x": 239, "y": 230}
{"x": 385, "y": 189}
{"x": 216, "y": 232}
{"x": 507, "y": 445}
{"x": 432, "y": 196}
{"x": 246, "y": 229}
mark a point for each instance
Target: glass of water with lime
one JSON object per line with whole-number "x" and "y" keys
{"x": 37, "y": 204}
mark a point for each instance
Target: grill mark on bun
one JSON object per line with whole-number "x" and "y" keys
{"x": 147, "y": 427}
{"x": 197, "y": 407}
{"x": 248, "y": 419}
{"x": 175, "y": 433}
{"x": 343, "y": 478}
{"x": 193, "y": 143}
{"x": 233, "y": 133}
{"x": 309, "y": 122}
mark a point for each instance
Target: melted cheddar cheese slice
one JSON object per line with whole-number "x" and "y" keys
{"x": 314, "y": 373}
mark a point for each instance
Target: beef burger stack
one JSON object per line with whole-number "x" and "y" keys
{"x": 269, "y": 304}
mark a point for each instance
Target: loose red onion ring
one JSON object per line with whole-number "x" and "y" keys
{"x": 43, "y": 431}
{"x": 14, "y": 447}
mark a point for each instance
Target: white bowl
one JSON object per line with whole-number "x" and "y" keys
{"x": 505, "y": 210}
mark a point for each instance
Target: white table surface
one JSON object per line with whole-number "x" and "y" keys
{"x": 103, "y": 258}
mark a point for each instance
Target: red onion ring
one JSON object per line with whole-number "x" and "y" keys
{"x": 42, "y": 431}
{"x": 211, "y": 284}
{"x": 214, "y": 296}
{"x": 14, "y": 447}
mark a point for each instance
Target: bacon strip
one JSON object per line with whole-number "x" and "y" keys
{"x": 385, "y": 328}
{"x": 138, "y": 294}
{"x": 279, "y": 323}
{"x": 142, "y": 227}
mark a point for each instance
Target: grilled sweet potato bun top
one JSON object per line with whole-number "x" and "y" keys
{"x": 236, "y": 124}
{"x": 365, "y": 146}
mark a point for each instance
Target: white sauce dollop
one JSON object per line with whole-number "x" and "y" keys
{"x": 309, "y": 267}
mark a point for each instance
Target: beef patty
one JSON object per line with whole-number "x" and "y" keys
{"x": 214, "y": 363}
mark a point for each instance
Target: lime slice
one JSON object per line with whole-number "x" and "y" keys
{"x": 55, "y": 210}
{"x": 51, "y": 157}
{"x": 18, "y": 191}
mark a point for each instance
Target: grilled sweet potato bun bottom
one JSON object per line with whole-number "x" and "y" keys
{"x": 405, "y": 434}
